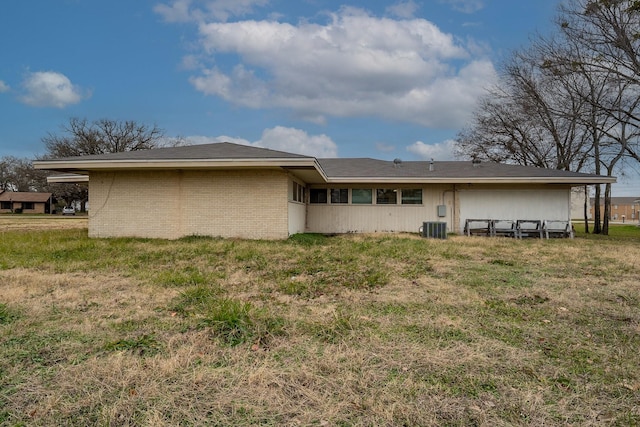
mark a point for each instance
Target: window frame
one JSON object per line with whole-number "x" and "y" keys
{"x": 318, "y": 191}
{"x": 354, "y": 197}
{"x": 340, "y": 192}
{"x": 380, "y": 200}
{"x": 411, "y": 200}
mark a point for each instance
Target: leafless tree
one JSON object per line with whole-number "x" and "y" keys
{"x": 79, "y": 137}
{"x": 570, "y": 101}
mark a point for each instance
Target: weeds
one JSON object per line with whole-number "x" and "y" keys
{"x": 318, "y": 330}
{"x": 7, "y": 314}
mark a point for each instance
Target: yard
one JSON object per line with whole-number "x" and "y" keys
{"x": 350, "y": 330}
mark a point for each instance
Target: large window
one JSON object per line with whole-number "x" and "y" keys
{"x": 5, "y": 205}
{"x": 339, "y": 195}
{"x": 412, "y": 196}
{"x": 361, "y": 196}
{"x": 28, "y": 206}
{"x": 385, "y": 196}
{"x": 318, "y": 195}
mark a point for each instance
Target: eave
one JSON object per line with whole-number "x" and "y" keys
{"x": 84, "y": 167}
{"x": 475, "y": 180}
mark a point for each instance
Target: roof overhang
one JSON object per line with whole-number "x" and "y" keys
{"x": 307, "y": 168}
{"x": 67, "y": 178}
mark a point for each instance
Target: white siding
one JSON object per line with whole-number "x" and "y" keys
{"x": 297, "y": 217}
{"x": 534, "y": 204}
{"x": 350, "y": 218}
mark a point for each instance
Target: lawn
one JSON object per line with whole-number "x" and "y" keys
{"x": 329, "y": 331}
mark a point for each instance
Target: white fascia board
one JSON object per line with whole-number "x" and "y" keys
{"x": 171, "y": 164}
{"x": 67, "y": 178}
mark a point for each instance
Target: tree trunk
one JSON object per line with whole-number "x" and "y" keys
{"x": 597, "y": 226}
{"x": 586, "y": 209}
{"x": 607, "y": 209}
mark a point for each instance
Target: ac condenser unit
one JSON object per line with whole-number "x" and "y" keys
{"x": 434, "y": 230}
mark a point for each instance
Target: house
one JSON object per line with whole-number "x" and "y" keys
{"x": 26, "y": 202}
{"x": 232, "y": 190}
{"x": 622, "y": 208}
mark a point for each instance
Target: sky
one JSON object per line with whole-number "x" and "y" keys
{"x": 350, "y": 78}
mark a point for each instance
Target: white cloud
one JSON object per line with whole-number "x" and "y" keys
{"x": 403, "y": 9}
{"x": 199, "y": 10}
{"x": 4, "y": 87}
{"x": 440, "y": 151}
{"x": 280, "y": 138}
{"x": 354, "y": 65}
{"x": 465, "y": 6}
{"x": 50, "y": 89}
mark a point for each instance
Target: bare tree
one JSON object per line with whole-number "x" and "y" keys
{"x": 572, "y": 100}
{"x": 531, "y": 118}
{"x": 80, "y": 138}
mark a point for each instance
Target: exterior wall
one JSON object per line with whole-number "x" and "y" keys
{"x": 38, "y": 208}
{"x": 577, "y": 203}
{"x": 297, "y": 209}
{"x": 350, "y": 218}
{"x": 509, "y": 202}
{"x": 297, "y": 217}
{"x": 174, "y": 204}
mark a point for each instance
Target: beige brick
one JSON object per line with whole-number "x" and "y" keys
{"x": 174, "y": 204}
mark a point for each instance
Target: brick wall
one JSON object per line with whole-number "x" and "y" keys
{"x": 173, "y": 204}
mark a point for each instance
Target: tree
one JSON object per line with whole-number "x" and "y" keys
{"x": 18, "y": 174}
{"x": 530, "y": 118}
{"x": 571, "y": 101}
{"x": 102, "y": 136}
{"x": 80, "y": 137}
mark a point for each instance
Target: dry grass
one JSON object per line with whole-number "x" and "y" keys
{"x": 349, "y": 330}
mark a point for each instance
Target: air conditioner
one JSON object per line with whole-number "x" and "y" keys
{"x": 434, "y": 230}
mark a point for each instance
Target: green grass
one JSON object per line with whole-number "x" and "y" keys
{"x": 318, "y": 330}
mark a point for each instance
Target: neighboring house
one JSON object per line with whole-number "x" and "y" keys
{"x": 232, "y": 190}
{"x": 622, "y": 208}
{"x": 26, "y": 202}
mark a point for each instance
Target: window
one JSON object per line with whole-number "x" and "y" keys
{"x": 412, "y": 196}
{"x": 361, "y": 196}
{"x": 318, "y": 195}
{"x": 28, "y": 206}
{"x": 298, "y": 193}
{"x": 5, "y": 205}
{"x": 385, "y": 196}
{"x": 339, "y": 195}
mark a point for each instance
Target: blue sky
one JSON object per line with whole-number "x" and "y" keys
{"x": 349, "y": 78}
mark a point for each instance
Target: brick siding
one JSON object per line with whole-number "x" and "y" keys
{"x": 174, "y": 204}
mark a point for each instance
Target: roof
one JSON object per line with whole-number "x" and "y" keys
{"x": 449, "y": 171}
{"x": 216, "y": 151}
{"x": 24, "y": 196}
{"x": 317, "y": 171}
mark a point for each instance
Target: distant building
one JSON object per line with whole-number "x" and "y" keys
{"x": 25, "y": 202}
{"x": 622, "y": 208}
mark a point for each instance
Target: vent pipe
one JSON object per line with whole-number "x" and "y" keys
{"x": 431, "y": 166}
